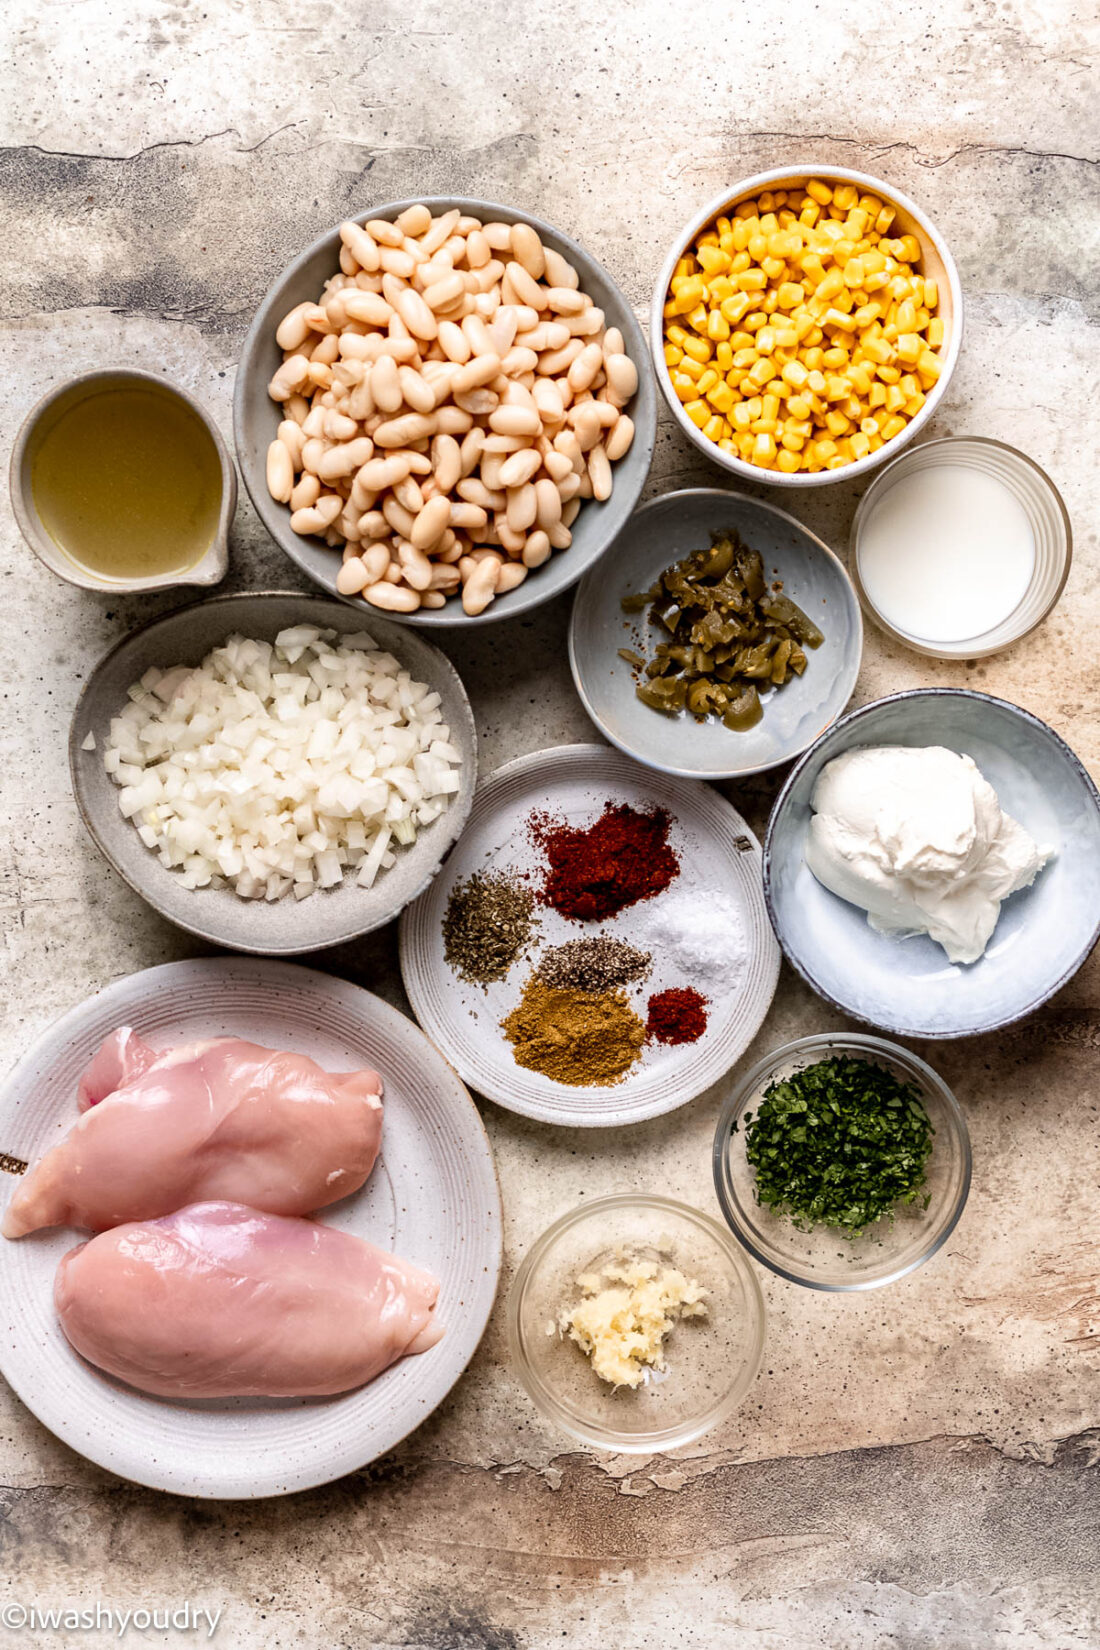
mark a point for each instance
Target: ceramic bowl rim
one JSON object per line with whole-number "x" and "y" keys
{"x": 852, "y": 667}
{"x": 964, "y": 650}
{"x": 215, "y": 559}
{"x": 782, "y": 800}
{"x": 460, "y": 809}
{"x": 530, "y": 594}
{"x": 730, "y": 197}
{"x": 733, "y": 1104}
{"x": 551, "y": 1406}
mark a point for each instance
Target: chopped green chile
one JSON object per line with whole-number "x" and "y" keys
{"x": 725, "y": 634}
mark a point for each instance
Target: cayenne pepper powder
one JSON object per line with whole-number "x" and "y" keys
{"x": 677, "y": 1016}
{"x": 597, "y": 872}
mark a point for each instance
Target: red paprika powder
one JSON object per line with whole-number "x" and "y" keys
{"x": 595, "y": 873}
{"x": 677, "y": 1016}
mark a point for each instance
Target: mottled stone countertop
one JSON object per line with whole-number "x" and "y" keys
{"x": 915, "y": 1467}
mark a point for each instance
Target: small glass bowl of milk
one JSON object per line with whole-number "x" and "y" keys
{"x": 960, "y": 547}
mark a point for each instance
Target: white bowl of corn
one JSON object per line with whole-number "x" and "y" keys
{"x": 806, "y": 325}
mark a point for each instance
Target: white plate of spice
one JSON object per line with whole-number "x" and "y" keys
{"x": 597, "y": 958}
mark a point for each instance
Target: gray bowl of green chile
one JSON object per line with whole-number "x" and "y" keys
{"x": 121, "y": 482}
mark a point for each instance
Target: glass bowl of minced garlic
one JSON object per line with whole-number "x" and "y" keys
{"x": 636, "y": 1323}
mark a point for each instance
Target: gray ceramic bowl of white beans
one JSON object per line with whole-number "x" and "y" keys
{"x": 256, "y": 419}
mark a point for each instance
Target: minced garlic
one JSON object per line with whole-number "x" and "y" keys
{"x": 625, "y": 1311}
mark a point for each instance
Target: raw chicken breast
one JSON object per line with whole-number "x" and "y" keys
{"x": 121, "y": 1058}
{"x": 221, "y": 1119}
{"x": 218, "y": 1301}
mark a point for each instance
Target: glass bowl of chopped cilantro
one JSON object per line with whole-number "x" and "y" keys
{"x": 842, "y": 1161}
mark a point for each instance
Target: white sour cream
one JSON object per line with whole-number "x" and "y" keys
{"x": 915, "y": 836}
{"x": 946, "y": 553}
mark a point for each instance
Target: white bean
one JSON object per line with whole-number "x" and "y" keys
{"x": 481, "y": 370}
{"x": 384, "y": 232}
{"x": 417, "y": 391}
{"x": 511, "y": 574}
{"x": 430, "y": 523}
{"x": 622, "y": 376}
{"x": 583, "y": 370}
{"x": 385, "y": 385}
{"x": 293, "y": 329}
{"x": 375, "y": 559}
{"x": 515, "y": 421}
{"x": 307, "y": 490}
{"x": 280, "y": 472}
{"x": 392, "y": 598}
{"x": 522, "y": 508}
{"x": 536, "y": 550}
{"x": 415, "y": 566}
{"x": 415, "y": 220}
{"x": 617, "y": 443}
{"x": 527, "y": 248}
{"x": 362, "y": 246}
{"x": 559, "y": 271}
{"x": 521, "y": 467}
{"x": 548, "y": 503}
{"x": 478, "y": 250}
{"x": 352, "y": 577}
{"x": 599, "y": 472}
{"x": 399, "y": 432}
{"x": 409, "y": 496}
{"x": 446, "y": 462}
{"x": 380, "y": 473}
{"x": 480, "y": 587}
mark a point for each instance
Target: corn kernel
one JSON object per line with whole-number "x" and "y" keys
{"x": 697, "y": 411}
{"x": 707, "y": 381}
{"x": 693, "y": 368}
{"x": 892, "y": 427}
{"x": 819, "y": 192}
{"x": 769, "y": 406}
{"x": 717, "y": 325}
{"x": 721, "y": 397}
{"x": 713, "y": 259}
{"x": 723, "y": 356}
{"x": 788, "y": 462}
{"x": 683, "y": 387}
{"x": 860, "y": 445}
{"x": 698, "y": 349}
{"x": 909, "y": 348}
{"x": 690, "y": 292}
{"x": 935, "y": 332}
{"x": 763, "y": 449}
{"x": 713, "y": 428}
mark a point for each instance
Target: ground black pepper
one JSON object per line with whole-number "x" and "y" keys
{"x": 488, "y": 923}
{"x": 596, "y": 964}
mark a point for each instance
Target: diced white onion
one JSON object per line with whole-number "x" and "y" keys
{"x": 276, "y": 768}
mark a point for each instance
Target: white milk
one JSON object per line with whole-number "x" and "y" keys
{"x": 946, "y": 553}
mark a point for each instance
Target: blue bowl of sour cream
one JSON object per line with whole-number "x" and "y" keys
{"x": 907, "y": 984}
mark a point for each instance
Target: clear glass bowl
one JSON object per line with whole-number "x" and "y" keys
{"x": 1047, "y": 516}
{"x": 824, "y": 1258}
{"x": 711, "y": 1361}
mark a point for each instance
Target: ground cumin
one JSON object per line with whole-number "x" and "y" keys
{"x": 575, "y": 1037}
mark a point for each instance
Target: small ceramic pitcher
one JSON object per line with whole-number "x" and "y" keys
{"x": 211, "y": 566}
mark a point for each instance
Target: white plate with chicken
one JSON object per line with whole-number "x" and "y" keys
{"x": 259, "y": 1237}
